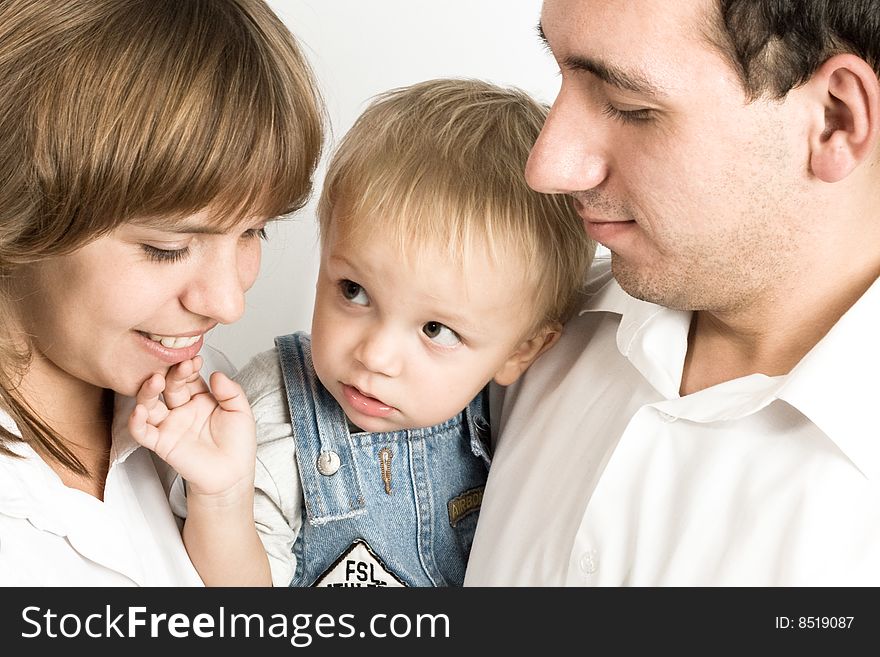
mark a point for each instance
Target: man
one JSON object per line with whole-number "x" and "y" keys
{"x": 708, "y": 418}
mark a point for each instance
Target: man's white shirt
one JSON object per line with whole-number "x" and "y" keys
{"x": 604, "y": 475}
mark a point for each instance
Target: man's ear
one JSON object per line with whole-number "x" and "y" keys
{"x": 526, "y": 353}
{"x": 847, "y": 134}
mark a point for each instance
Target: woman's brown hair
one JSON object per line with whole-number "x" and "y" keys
{"x": 114, "y": 110}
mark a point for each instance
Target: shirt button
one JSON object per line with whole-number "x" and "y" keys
{"x": 589, "y": 562}
{"x": 328, "y": 463}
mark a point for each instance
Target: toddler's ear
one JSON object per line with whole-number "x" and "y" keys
{"x": 524, "y": 355}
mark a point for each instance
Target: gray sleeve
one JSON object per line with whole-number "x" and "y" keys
{"x": 277, "y": 494}
{"x": 214, "y": 360}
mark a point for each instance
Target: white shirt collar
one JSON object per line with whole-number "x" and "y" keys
{"x": 29, "y": 478}
{"x": 122, "y": 442}
{"x": 651, "y": 337}
{"x": 834, "y": 385}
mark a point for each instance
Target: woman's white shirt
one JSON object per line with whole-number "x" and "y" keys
{"x": 53, "y": 535}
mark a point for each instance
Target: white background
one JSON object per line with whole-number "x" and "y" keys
{"x": 359, "y": 48}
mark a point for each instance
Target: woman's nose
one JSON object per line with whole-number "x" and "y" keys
{"x": 218, "y": 290}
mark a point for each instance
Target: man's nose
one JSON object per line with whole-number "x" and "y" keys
{"x": 569, "y": 154}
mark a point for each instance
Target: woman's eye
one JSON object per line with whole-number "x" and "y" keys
{"x": 165, "y": 255}
{"x": 255, "y": 232}
{"x": 354, "y": 292}
{"x": 441, "y": 334}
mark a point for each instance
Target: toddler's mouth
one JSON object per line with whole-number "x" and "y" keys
{"x": 366, "y": 404}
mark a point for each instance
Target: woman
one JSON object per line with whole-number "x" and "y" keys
{"x": 145, "y": 144}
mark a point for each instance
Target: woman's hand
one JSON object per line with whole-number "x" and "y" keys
{"x": 206, "y": 434}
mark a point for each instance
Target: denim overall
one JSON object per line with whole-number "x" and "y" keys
{"x": 381, "y": 509}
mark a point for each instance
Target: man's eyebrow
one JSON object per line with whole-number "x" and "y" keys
{"x": 616, "y": 77}
{"x": 608, "y": 73}
{"x": 543, "y": 37}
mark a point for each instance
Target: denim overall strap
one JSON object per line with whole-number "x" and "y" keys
{"x": 477, "y": 418}
{"x": 320, "y": 429}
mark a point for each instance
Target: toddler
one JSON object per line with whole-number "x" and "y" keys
{"x": 440, "y": 272}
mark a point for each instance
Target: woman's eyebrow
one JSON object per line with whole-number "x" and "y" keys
{"x": 181, "y": 227}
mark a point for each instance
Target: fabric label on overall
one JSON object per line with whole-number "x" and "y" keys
{"x": 358, "y": 566}
{"x": 464, "y": 505}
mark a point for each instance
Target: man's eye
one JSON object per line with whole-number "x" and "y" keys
{"x": 354, "y": 292}
{"x": 441, "y": 334}
{"x": 165, "y": 255}
{"x": 627, "y": 116}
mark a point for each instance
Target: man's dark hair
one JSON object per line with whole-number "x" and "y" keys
{"x": 776, "y": 45}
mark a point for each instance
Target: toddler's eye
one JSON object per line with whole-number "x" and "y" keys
{"x": 354, "y": 292}
{"x": 441, "y": 334}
